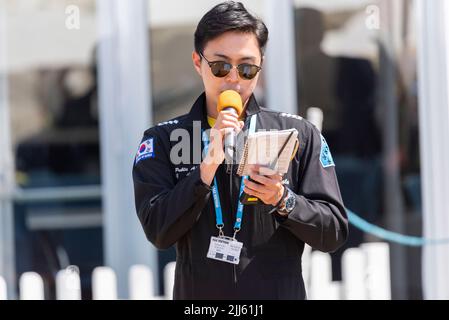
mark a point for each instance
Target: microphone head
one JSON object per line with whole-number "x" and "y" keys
{"x": 230, "y": 99}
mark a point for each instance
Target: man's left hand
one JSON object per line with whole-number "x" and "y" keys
{"x": 269, "y": 188}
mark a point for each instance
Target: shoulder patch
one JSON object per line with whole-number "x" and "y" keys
{"x": 325, "y": 154}
{"x": 146, "y": 150}
{"x": 289, "y": 115}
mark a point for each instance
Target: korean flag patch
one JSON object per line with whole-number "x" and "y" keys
{"x": 146, "y": 150}
{"x": 325, "y": 154}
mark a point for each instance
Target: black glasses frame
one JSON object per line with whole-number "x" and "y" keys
{"x": 221, "y": 69}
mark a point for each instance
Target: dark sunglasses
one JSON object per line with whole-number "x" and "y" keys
{"x": 221, "y": 69}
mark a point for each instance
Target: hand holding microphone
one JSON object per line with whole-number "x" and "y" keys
{"x": 229, "y": 108}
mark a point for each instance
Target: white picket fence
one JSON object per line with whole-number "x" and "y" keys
{"x": 365, "y": 274}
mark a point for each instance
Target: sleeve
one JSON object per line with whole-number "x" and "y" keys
{"x": 319, "y": 217}
{"x": 167, "y": 209}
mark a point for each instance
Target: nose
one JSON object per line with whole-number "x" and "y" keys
{"x": 233, "y": 75}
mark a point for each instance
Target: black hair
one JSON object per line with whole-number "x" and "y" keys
{"x": 229, "y": 16}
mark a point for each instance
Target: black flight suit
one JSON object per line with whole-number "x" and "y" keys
{"x": 175, "y": 207}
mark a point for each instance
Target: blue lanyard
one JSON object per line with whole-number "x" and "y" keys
{"x": 215, "y": 194}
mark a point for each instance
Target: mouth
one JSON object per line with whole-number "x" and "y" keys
{"x": 237, "y": 88}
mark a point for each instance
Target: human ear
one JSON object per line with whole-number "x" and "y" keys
{"x": 196, "y": 62}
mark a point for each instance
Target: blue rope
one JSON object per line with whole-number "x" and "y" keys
{"x": 367, "y": 227}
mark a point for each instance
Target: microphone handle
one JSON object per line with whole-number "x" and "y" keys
{"x": 229, "y": 145}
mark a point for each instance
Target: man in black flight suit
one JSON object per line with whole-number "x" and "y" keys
{"x": 174, "y": 198}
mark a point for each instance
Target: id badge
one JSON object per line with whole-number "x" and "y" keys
{"x": 225, "y": 249}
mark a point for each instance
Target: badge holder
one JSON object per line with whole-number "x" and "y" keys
{"x": 225, "y": 249}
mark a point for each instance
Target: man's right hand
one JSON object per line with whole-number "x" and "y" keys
{"x": 226, "y": 121}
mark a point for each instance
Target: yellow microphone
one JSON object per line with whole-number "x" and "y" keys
{"x": 230, "y": 100}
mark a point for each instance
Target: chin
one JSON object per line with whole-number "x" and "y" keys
{"x": 245, "y": 98}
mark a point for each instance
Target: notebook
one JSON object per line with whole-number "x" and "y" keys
{"x": 272, "y": 149}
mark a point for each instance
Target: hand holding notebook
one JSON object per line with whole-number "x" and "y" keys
{"x": 270, "y": 149}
